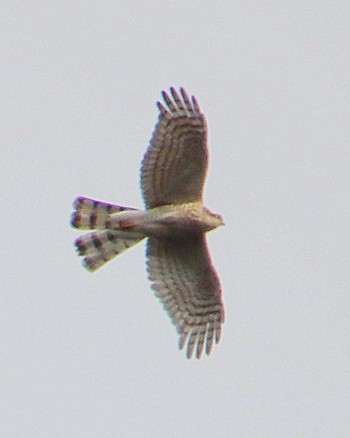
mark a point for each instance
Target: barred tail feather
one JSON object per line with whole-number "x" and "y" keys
{"x": 99, "y": 247}
{"x": 93, "y": 215}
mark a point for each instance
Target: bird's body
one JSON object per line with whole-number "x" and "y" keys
{"x": 175, "y": 222}
{"x": 168, "y": 221}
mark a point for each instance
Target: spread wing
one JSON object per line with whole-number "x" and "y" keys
{"x": 188, "y": 287}
{"x": 174, "y": 167}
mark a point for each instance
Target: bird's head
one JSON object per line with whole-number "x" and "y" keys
{"x": 214, "y": 220}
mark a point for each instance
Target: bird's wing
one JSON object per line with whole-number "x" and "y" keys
{"x": 187, "y": 284}
{"x": 174, "y": 167}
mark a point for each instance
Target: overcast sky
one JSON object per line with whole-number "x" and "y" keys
{"x": 95, "y": 355}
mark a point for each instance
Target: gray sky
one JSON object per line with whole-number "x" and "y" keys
{"x": 94, "y": 355}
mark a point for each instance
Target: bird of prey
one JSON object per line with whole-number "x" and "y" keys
{"x": 174, "y": 222}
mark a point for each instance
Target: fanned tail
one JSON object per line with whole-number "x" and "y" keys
{"x": 100, "y": 246}
{"x": 94, "y": 215}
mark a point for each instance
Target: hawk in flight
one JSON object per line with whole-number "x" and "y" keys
{"x": 175, "y": 222}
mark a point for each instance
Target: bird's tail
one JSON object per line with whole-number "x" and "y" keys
{"x": 102, "y": 245}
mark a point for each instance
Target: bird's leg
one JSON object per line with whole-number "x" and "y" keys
{"x": 126, "y": 220}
